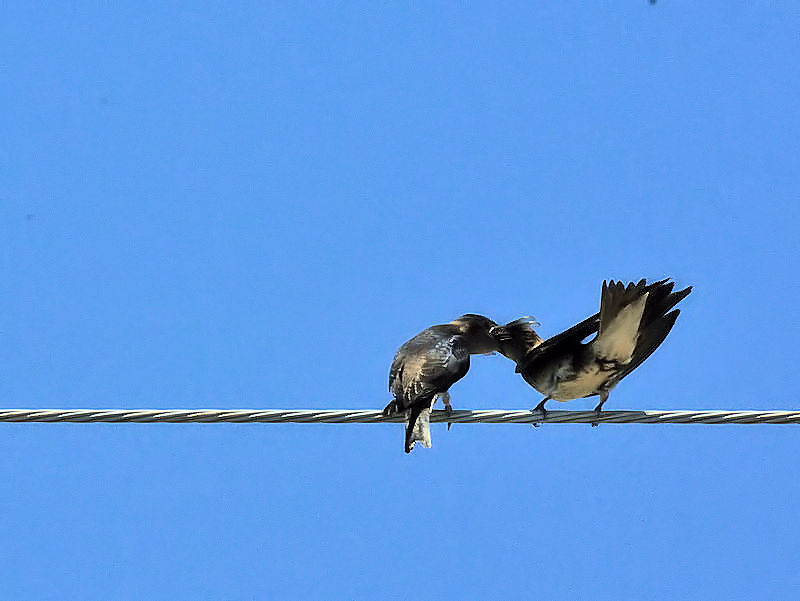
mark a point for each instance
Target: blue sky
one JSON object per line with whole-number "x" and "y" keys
{"x": 255, "y": 205}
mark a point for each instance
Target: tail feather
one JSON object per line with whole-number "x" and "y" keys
{"x": 621, "y": 311}
{"x": 615, "y": 297}
{"x": 657, "y": 321}
{"x": 418, "y": 427}
{"x": 661, "y": 299}
{"x": 649, "y": 340}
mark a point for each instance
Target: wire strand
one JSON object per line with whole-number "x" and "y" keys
{"x": 358, "y": 416}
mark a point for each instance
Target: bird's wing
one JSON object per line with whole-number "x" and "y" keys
{"x": 428, "y": 363}
{"x": 565, "y": 340}
{"x": 396, "y": 370}
{"x": 409, "y": 353}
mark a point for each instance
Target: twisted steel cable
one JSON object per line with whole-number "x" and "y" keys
{"x": 368, "y": 416}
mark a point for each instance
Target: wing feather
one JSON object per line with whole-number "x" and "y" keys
{"x": 430, "y": 362}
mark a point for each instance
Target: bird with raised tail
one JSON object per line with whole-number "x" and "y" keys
{"x": 426, "y": 366}
{"x": 632, "y": 323}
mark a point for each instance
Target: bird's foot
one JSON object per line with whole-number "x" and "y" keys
{"x": 448, "y": 409}
{"x": 540, "y": 409}
{"x": 391, "y": 409}
{"x": 598, "y": 410}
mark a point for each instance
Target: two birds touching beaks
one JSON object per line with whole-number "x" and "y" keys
{"x": 634, "y": 319}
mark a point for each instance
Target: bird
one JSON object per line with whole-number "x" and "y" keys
{"x": 633, "y": 321}
{"x": 426, "y": 366}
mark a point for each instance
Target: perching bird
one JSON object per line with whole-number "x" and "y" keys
{"x": 633, "y": 321}
{"x": 428, "y": 365}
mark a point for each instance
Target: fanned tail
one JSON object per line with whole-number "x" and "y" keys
{"x": 656, "y": 322}
{"x": 621, "y": 311}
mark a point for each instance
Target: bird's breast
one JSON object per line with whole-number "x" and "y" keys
{"x": 586, "y": 382}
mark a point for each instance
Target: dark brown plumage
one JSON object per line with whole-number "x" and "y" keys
{"x": 429, "y": 364}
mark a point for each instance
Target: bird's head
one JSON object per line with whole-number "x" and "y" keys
{"x": 516, "y": 338}
{"x": 475, "y": 330}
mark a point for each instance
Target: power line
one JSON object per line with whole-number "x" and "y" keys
{"x": 356, "y": 416}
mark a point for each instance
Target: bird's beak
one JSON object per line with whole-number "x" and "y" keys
{"x": 499, "y": 333}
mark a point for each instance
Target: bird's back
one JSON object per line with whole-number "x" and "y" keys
{"x": 430, "y": 362}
